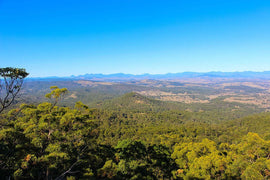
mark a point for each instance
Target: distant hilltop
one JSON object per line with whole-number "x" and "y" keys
{"x": 125, "y": 77}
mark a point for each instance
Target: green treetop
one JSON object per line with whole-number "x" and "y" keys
{"x": 11, "y": 80}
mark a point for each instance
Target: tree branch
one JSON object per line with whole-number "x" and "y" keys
{"x": 69, "y": 170}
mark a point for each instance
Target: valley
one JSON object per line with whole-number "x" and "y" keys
{"x": 138, "y": 129}
{"x": 188, "y": 92}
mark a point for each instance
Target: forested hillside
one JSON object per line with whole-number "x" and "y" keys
{"x": 132, "y": 137}
{"x": 134, "y": 90}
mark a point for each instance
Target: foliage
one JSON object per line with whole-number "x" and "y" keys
{"x": 139, "y": 138}
{"x": 11, "y": 81}
{"x": 46, "y": 141}
{"x": 56, "y": 94}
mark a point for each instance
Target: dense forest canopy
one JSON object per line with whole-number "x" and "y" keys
{"x": 130, "y": 137}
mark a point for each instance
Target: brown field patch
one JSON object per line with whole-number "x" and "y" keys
{"x": 93, "y": 83}
{"x": 168, "y": 96}
{"x": 73, "y": 95}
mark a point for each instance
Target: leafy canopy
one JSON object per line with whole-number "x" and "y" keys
{"x": 11, "y": 80}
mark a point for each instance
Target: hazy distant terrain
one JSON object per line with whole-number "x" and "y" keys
{"x": 214, "y": 98}
{"x": 251, "y": 88}
{"x": 127, "y": 77}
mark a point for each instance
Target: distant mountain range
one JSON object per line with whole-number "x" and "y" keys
{"x": 125, "y": 77}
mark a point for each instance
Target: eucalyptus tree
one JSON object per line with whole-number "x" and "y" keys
{"x": 47, "y": 141}
{"x": 11, "y": 81}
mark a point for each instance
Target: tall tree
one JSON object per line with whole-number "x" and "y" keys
{"x": 11, "y": 81}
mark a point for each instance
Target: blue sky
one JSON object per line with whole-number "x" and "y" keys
{"x": 63, "y": 38}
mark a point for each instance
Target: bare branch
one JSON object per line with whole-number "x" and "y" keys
{"x": 69, "y": 170}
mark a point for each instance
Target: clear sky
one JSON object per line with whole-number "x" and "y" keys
{"x": 73, "y": 37}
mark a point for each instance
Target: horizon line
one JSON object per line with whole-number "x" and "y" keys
{"x": 151, "y": 74}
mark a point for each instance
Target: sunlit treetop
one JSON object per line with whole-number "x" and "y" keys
{"x": 11, "y": 80}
